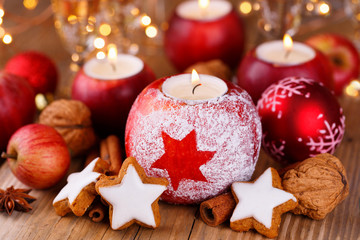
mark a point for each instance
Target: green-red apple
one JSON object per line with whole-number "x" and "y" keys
{"x": 38, "y": 156}
{"x": 343, "y": 56}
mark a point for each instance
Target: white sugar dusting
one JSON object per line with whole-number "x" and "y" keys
{"x": 229, "y": 125}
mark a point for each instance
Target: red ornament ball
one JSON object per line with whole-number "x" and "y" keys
{"x": 200, "y": 148}
{"x": 38, "y": 69}
{"x": 300, "y": 119}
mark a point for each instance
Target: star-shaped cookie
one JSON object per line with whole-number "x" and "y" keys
{"x": 132, "y": 196}
{"x": 79, "y": 192}
{"x": 260, "y": 204}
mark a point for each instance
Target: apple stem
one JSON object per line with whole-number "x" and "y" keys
{"x": 5, "y": 155}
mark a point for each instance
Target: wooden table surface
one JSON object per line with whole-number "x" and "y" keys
{"x": 177, "y": 222}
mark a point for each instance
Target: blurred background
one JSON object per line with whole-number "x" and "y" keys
{"x": 72, "y": 30}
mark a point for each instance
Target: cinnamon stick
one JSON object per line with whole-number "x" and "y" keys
{"x": 104, "y": 150}
{"x": 94, "y": 153}
{"x": 98, "y": 212}
{"x": 114, "y": 149}
{"x": 217, "y": 210}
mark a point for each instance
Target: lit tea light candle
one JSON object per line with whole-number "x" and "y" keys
{"x": 285, "y": 52}
{"x": 116, "y": 66}
{"x": 204, "y": 9}
{"x": 194, "y": 87}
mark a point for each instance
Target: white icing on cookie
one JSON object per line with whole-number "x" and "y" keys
{"x": 132, "y": 199}
{"x": 258, "y": 199}
{"x": 76, "y": 182}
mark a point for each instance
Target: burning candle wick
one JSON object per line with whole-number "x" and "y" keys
{"x": 197, "y": 85}
{"x": 113, "y": 66}
{"x": 287, "y": 53}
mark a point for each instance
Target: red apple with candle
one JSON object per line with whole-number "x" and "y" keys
{"x": 255, "y": 73}
{"x": 37, "y": 68}
{"x": 200, "y": 142}
{"x": 197, "y": 35}
{"x": 343, "y": 56}
{"x": 38, "y": 156}
{"x": 109, "y": 93}
{"x": 17, "y": 105}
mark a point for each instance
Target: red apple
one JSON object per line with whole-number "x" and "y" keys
{"x": 200, "y": 148}
{"x": 255, "y": 75}
{"x": 17, "y": 105}
{"x": 189, "y": 41}
{"x": 110, "y": 100}
{"x": 343, "y": 56}
{"x": 38, "y": 156}
{"x": 38, "y": 69}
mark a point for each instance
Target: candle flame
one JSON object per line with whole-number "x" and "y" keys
{"x": 112, "y": 53}
{"x": 288, "y": 42}
{"x": 195, "y": 79}
{"x": 203, "y": 4}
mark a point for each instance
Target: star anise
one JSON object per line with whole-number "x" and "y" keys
{"x": 15, "y": 199}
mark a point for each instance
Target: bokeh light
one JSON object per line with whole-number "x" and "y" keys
{"x": 151, "y": 31}
{"x": 99, "y": 43}
{"x": 245, "y": 7}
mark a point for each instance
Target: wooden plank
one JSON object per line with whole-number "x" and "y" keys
{"x": 178, "y": 222}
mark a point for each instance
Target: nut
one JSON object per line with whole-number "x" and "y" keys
{"x": 72, "y": 120}
{"x": 214, "y": 67}
{"x": 319, "y": 183}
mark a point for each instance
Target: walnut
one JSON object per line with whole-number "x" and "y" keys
{"x": 319, "y": 183}
{"x": 214, "y": 67}
{"x": 71, "y": 119}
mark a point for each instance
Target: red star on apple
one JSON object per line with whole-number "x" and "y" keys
{"x": 182, "y": 160}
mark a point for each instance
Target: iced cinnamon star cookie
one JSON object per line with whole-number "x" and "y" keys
{"x": 260, "y": 204}
{"x": 132, "y": 196}
{"x": 79, "y": 192}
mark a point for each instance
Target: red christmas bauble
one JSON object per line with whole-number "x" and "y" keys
{"x": 300, "y": 119}
{"x": 38, "y": 69}
{"x": 201, "y": 148}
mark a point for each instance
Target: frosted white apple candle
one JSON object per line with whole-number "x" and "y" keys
{"x": 194, "y": 87}
{"x": 285, "y": 52}
{"x": 203, "y": 9}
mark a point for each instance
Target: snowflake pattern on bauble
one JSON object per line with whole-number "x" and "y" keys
{"x": 286, "y": 88}
{"x": 330, "y": 138}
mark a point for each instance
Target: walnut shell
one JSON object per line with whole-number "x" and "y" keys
{"x": 72, "y": 119}
{"x": 214, "y": 67}
{"x": 319, "y": 183}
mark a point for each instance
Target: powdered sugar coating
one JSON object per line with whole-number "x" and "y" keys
{"x": 228, "y": 125}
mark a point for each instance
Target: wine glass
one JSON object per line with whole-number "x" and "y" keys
{"x": 75, "y": 23}
{"x": 279, "y": 17}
